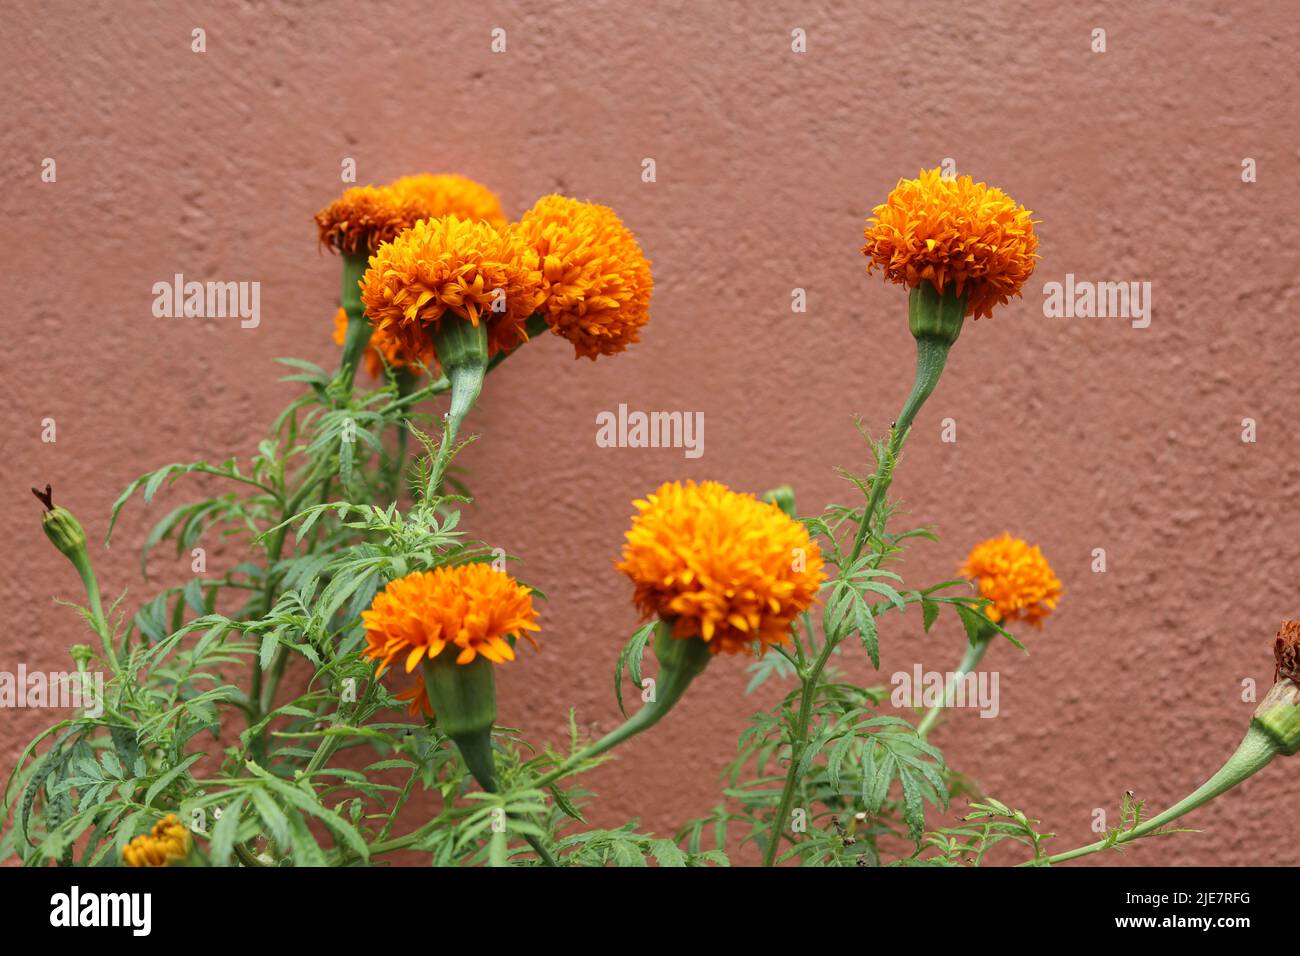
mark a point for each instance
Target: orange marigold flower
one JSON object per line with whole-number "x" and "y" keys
{"x": 596, "y": 280}
{"x": 169, "y": 842}
{"x": 366, "y": 216}
{"x": 1015, "y": 577}
{"x": 450, "y": 269}
{"x": 953, "y": 232}
{"x": 362, "y": 218}
{"x": 449, "y": 195}
{"x": 469, "y": 608}
{"x": 397, "y": 356}
{"x": 721, "y": 565}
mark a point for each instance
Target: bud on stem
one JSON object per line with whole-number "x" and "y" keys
{"x": 1274, "y": 729}
{"x": 66, "y": 534}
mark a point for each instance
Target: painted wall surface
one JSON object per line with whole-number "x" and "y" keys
{"x": 1074, "y": 433}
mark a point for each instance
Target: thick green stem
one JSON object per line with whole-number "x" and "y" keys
{"x": 359, "y": 330}
{"x": 970, "y": 660}
{"x": 81, "y": 561}
{"x": 1257, "y": 748}
{"x": 935, "y": 321}
{"x": 680, "y": 662}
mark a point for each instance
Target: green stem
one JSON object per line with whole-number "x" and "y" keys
{"x": 81, "y": 561}
{"x": 935, "y": 322}
{"x": 974, "y": 654}
{"x": 359, "y": 330}
{"x": 799, "y": 741}
{"x": 681, "y": 660}
{"x": 1257, "y": 748}
{"x": 931, "y": 356}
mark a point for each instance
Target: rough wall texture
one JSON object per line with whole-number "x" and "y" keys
{"x": 1076, "y": 433}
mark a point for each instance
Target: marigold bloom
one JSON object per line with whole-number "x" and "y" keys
{"x": 362, "y": 218}
{"x": 724, "y": 566}
{"x": 450, "y": 269}
{"x": 394, "y": 352}
{"x": 431, "y": 196}
{"x": 169, "y": 842}
{"x": 953, "y": 232}
{"x": 1015, "y": 577}
{"x": 596, "y": 281}
{"x": 469, "y": 608}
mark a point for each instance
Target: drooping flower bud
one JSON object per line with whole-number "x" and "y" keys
{"x": 1278, "y": 714}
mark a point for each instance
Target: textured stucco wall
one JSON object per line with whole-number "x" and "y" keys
{"x": 1077, "y": 434}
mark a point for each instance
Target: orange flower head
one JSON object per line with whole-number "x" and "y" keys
{"x": 362, "y": 218}
{"x": 429, "y": 197}
{"x": 391, "y": 350}
{"x": 169, "y": 842}
{"x": 1015, "y": 577}
{"x": 953, "y": 232}
{"x": 365, "y": 217}
{"x": 452, "y": 269}
{"x": 596, "y": 280}
{"x": 466, "y": 609}
{"x": 721, "y": 565}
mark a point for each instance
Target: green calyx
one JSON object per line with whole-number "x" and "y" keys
{"x": 464, "y": 701}
{"x": 65, "y": 532}
{"x": 681, "y": 660}
{"x": 932, "y": 315}
{"x": 1278, "y": 716}
{"x": 462, "y": 348}
{"x": 935, "y": 321}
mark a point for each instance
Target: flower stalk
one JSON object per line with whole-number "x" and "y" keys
{"x": 358, "y": 328}
{"x": 1274, "y": 730}
{"x": 975, "y": 649}
{"x": 67, "y": 535}
{"x": 681, "y": 660}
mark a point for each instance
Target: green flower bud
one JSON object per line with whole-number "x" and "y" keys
{"x": 783, "y": 498}
{"x": 65, "y": 531}
{"x": 82, "y": 655}
{"x": 1278, "y": 715}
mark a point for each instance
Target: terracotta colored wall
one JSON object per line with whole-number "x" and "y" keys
{"x": 1075, "y": 433}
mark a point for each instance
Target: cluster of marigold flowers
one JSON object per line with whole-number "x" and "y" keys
{"x": 441, "y": 250}
{"x": 718, "y": 565}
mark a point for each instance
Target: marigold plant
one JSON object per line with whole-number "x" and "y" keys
{"x": 256, "y": 700}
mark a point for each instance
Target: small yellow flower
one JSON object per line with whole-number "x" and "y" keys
{"x": 396, "y": 355}
{"x": 596, "y": 281}
{"x": 449, "y": 195}
{"x": 1015, "y": 577}
{"x": 723, "y": 566}
{"x": 452, "y": 269}
{"x": 167, "y": 843}
{"x": 467, "y": 609}
{"x": 953, "y": 232}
